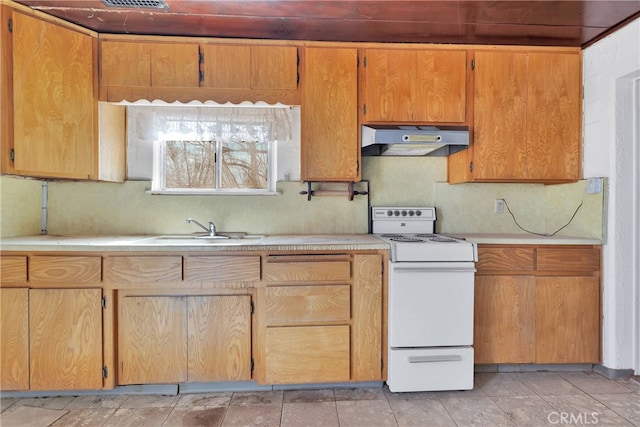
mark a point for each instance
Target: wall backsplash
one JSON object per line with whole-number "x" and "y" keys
{"x": 107, "y": 208}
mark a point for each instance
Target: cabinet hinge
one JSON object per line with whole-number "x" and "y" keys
{"x": 382, "y": 267}
{"x": 364, "y": 109}
{"x": 473, "y": 64}
{"x": 253, "y": 307}
{"x": 105, "y": 372}
{"x": 471, "y": 167}
{"x": 201, "y": 76}
{"x": 364, "y": 62}
{"x": 297, "y": 79}
{"x": 201, "y": 57}
{"x": 381, "y": 364}
{"x": 252, "y": 364}
{"x": 103, "y": 302}
{"x": 10, "y": 25}
{"x": 12, "y": 155}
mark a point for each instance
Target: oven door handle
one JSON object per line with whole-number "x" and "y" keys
{"x": 437, "y": 358}
{"x": 433, "y": 270}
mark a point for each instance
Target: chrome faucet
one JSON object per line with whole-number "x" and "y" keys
{"x": 211, "y": 229}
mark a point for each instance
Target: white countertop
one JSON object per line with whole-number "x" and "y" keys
{"x": 525, "y": 239}
{"x": 146, "y": 243}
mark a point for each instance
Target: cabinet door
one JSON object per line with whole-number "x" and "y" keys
{"x": 152, "y": 340}
{"x": 219, "y": 338}
{"x": 390, "y": 77}
{"x": 500, "y": 116}
{"x": 274, "y": 67}
{"x": 307, "y": 354}
{"x": 175, "y": 65}
{"x": 14, "y": 339}
{"x": 65, "y": 339}
{"x": 125, "y": 64}
{"x": 504, "y": 325}
{"x": 226, "y": 66}
{"x": 554, "y": 121}
{"x": 415, "y": 86}
{"x": 330, "y": 145}
{"x": 567, "y": 320}
{"x": 55, "y": 101}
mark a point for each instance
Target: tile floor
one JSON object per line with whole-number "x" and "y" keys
{"x": 498, "y": 399}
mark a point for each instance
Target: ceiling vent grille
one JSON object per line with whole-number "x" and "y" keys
{"x": 137, "y": 4}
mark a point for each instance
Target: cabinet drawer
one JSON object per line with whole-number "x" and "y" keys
{"x": 13, "y": 269}
{"x": 505, "y": 258}
{"x": 222, "y": 268}
{"x": 568, "y": 259}
{"x": 65, "y": 269}
{"x": 290, "y": 304}
{"x": 307, "y": 354}
{"x": 300, "y": 269}
{"x": 141, "y": 269}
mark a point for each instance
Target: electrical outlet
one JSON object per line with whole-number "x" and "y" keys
{"x": 499, "y": 206}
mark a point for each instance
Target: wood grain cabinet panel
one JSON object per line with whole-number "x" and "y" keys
{"x": 307, "y": 354}
{"x": 422, "y": 86}
{"x": 527, "y": 117}
{"x": 13, "y": 269}
{"x": 143, "y": 269}
{"x": 574, "y": 260}
{"x": 219, "y": 338}
{"x": 65, "y": 270}
{"x": 274, "y": 67}
{"x": 226, "y": 66}
{"x": 55, "y": 100}
{"x": 14, "y": 339}
{"x": 152, "y": 340}
{"x": 295, "y": 304}
{"x": 233, "y": 268}
{"x": 305, "y": 269}
{"x": 505, "y": 258}
{"x": 504, "y": 325}
{"x": 65, "y": 339}
{"x": 330, "y": 149}
{"x": 567, "y": 320}
{"x": 366, "y": 344}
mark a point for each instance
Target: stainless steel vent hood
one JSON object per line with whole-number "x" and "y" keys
{"x": 391, "y": 140}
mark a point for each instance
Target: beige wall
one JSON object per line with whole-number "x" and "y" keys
{"x": 106, "y": 208}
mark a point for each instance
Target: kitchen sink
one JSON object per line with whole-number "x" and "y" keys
{"x": 201, "y": 239}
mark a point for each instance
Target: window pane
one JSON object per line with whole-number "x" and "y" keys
{"x": 190, "y": 164}
{"x": 244, "y": 164}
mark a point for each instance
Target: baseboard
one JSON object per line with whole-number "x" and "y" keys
{"x": 612, "y": 374}
{"x": 526, "y": 367}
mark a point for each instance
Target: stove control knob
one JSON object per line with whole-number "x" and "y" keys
{"x": 418, "y": 213}
{"x": 389, "y": 212}
{"x": 404, "y": 213}
{"x": 411, "y": 213}
{"x": 397, "y": 213}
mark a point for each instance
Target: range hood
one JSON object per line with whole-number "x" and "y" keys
{"x": 392, "y": 140}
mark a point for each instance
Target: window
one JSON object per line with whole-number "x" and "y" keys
{"x": 217, "y": 150}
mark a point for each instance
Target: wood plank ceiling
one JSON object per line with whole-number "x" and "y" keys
{"x": 538, "y": 22}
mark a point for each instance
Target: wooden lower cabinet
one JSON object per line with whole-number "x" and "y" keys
{"x": 65, "y": 339}
{"x": 307, "y": 354}
{"x": 541, "y": 306}
{"x": 567, "y": 319}
{"x": 504, "y": 329}
{"x": 169, "y": 339}
{"x": 320, "y": 319}
{"x": 14, "y": 339}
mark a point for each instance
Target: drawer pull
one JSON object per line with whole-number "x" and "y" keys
{"x": 440, "y": 358}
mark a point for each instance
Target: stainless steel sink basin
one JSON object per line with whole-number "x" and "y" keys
{"x": 197, "y": 239}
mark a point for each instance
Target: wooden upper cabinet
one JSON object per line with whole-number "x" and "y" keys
{"x": 421, "y": 86}
{"x": 228, "y": 66}
{"x": 527, "y": 118}
{"x": 148, "y": 64}
{"x": 330, "y": 145}
{"x": 55, "y": 100}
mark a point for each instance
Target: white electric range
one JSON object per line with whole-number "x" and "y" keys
{"x": 430, "y": 301}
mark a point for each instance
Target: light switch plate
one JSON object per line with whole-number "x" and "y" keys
{"x": 594, "y": 185}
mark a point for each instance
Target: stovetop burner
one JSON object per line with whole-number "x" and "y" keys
{"x": 442, "y": 239}
{"x": 406, "y": 239}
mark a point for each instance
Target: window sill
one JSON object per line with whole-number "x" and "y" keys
{"x": 212, "y": 193}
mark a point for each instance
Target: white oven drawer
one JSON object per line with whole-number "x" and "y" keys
{"x": 430, "y": 369}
